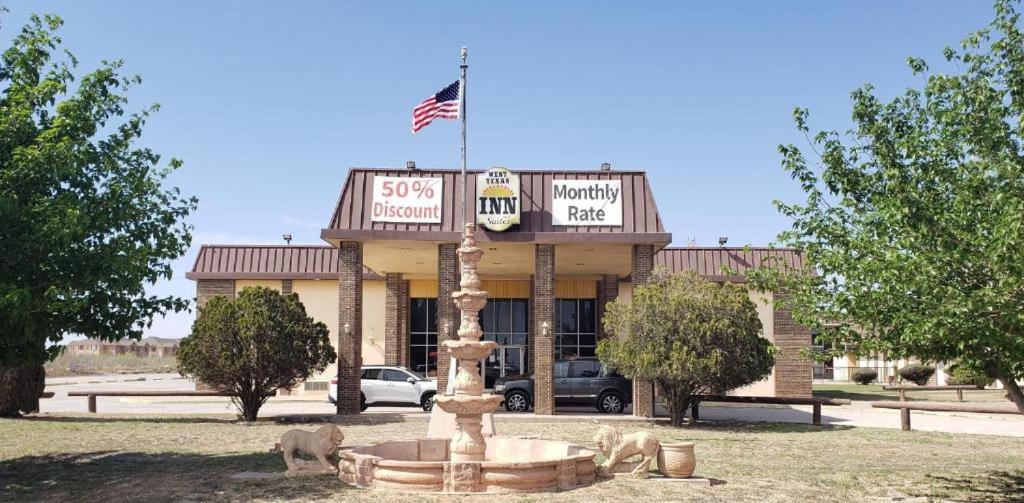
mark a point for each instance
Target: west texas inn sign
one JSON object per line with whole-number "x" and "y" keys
{"x": 498, "y": 200}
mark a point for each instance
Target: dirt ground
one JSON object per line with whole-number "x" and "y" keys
{"x": 166, "y": 458}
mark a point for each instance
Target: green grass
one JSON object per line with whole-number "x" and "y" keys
{"x": 174, "y": 458}
{"x": 874, "y": 392}
{"x": 72, "y": 365}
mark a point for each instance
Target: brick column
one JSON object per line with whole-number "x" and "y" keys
{"x": 792, "y": 373}
{"x": 607, "y": 291}
{"x": 643, "y": 391}
{"x": 543, "y": 339}
{"x": 447, "y": 313}
{"x": 286, "y": 286}
{"x": 392, "y": 318}
{"x": 207, "y": 289}
{"x": 403, "y": 325}
{"x": 350, "y": 315}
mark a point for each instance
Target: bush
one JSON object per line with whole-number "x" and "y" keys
{"x": 917, "y": 373}
{"x": 864, "y": 376}
{"x": 962, "y": 374}
{"x": 252, "y": 346}
{"x": 688, "y": 336}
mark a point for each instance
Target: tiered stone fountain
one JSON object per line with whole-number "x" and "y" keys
{"x": 469, "y": 404}
{"x": 469, "y": 462}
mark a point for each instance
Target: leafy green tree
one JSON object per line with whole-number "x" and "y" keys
{"x": 85, "y": 220}
{"x": 914, "y": 218}
{"x": 251, "y": 346}
{"x": 689, "y": 336}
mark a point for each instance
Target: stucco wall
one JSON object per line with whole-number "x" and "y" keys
{"x": 373, "y": 322}
{"x": 765, "y": 313}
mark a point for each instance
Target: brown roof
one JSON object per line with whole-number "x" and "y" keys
{"x": 268, "y": 262}
{"x": 709, "y": 261}
{"x": 641, "y": 222}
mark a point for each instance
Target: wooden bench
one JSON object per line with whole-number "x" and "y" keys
{"x": 815, "y": 402}
{"x": 959, "y": 388}
{"x": 93, "y": 394}
{"x": 906, "y": 407}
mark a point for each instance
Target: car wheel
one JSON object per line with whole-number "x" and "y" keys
{"x": 362, "y": 402}
{"x": 427, "y": 402}
{"x": 610, "y": 403}
{"x": 517, "y": 401}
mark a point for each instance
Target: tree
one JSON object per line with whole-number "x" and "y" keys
{"x": 85, "y": 221}
{"x": 689, "y": 336}
{"x": 254, "y": 345}
{"x": 914, "y": 218}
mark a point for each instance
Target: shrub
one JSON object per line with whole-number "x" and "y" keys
{"x": 864, "y": 376}
{"x": 964, "y": 374}
{"x": 917, "y": 373}
{"x": 252, "y": 346}
{"x": 688, "y": 336}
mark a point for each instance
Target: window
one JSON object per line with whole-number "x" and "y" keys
{"x": 577, "y": 328}
{"x": 423, "y": 336}
{"x": 315, "y": 386}
{"x": 394, "y": 375}
{"x": 561, "y": 369}
{"x": 585, "y": 368}
{"x": 371, "y": 374}
{"x": 506, "y": 321}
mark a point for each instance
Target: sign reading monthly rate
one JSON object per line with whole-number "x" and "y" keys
{"x": 586, "y": 202}
{"x": 407, "y": 200}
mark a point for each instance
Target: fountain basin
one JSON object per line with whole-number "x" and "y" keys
{"x": 511, "y": 464}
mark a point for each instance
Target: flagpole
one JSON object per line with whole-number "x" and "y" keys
{"x": 462, "y": 115}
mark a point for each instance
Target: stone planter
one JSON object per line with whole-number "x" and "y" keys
{"x": 676, "y": 460}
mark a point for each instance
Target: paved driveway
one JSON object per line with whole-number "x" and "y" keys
{"x": 858, "y": 414}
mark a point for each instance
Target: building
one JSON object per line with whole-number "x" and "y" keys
{"x": 153, "y": 347}
{"x": 558, "y": 246}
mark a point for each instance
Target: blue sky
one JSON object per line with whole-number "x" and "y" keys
{"x": 268, "y": 104}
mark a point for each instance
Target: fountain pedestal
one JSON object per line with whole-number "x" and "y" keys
{"x": 469, "y": 404}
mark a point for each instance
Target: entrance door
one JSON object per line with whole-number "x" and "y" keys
{"x": 504, "y": 361}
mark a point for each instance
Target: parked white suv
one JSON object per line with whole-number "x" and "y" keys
{"x": 390, "y": 385}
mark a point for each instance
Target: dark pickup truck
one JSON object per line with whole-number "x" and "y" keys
{"x": 583, "y": 381}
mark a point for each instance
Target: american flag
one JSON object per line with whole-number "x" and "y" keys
{"x": 444, "y": 105}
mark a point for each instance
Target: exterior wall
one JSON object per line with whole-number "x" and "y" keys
{"x": 447, "y": 314}
{"x": 392, "y": 318}
{"x": 374, "y": 293}
{"x": 792, "y": 372}
{"x": 208, "y": 288}
{"x": 320, "y": 298}
{"x": 269, "y": 283}
{"x": 766, "y": 314}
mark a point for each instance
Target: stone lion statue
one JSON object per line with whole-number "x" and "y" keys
{"x": 321, "y": 443}
{"x": 617, "y": 447}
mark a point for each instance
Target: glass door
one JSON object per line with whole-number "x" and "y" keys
{"x": 504, "y": 361}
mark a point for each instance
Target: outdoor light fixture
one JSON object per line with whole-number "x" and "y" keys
{"x": 722, "y": 240}
{"x": 410, "y": 165}
{"x": 287, "y": 238}
{"x": 606, "y": 166}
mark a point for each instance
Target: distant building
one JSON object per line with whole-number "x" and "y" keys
{"x": 156, "y": 347}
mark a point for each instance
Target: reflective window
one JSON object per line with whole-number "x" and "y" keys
{"x": 423, "y": 336}
{"x": 585, "y": 368}
{"x": 394, "y": 375}
{"x": 577, "y": 328}
{"x": 371, "y": 374}
{"x": 561, "y": 369}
